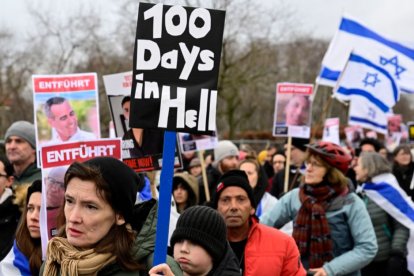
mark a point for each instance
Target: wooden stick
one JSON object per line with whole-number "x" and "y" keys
{"x": 204, "y": 174}
{"x": 287, "y": 167}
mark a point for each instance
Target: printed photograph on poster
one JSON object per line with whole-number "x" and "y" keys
{"x": 394, "y": 131}
{"x": 66, "y": 108}
{"x": 354, "y": 135}
{"x": 176, "y": 67}
{"x": 194, "y": 142}
{"x": 331, "y": 131}
{"x": 141, "y": 148}
{"x": 292, "y": 116}
{"x": 53, "y": 184}
{"x": 55, "y": 159}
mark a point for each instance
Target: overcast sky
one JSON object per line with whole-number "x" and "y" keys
{"x": 320, "y": 18}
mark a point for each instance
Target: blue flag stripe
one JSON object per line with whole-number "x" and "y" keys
{"x": 357, "y": 58}
{"x": 393, "y": 196}
{"x": 355, "y": 28}
{"x": 366, "y": 121}
{"x": 329, "y": 74}
{"x": 369, "y": 96}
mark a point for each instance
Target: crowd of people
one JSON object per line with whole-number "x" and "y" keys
{"x": 250, "y": 219}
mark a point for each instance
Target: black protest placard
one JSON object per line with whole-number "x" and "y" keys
{"x": 176, "y": 65}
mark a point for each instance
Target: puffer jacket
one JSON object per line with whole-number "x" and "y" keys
{"x": 392, "y": 236}
{"x": 353, "y": 236}
{"x": 9, "y": 218}
{"x": 228, "y": 266}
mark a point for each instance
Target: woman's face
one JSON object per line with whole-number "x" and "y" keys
{"x": 88, "y": 216}
{"x": 251, "y": 172}
{"x": 315, "y": 171}
{"x": 297, "y": 111}
{"x": 180, "y": 194}
{"x": 278, "y": 162}
{"x": 32, "y": 216}
{"x": 403, "y": 158}
{"x": 361, "y": 173}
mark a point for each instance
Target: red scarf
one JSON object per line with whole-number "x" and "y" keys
{"x": 311, "y": 230}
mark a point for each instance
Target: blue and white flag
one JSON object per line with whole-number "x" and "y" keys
{"x": 363, "y": 78}
{"x": 386, "y": 193}
{"x": 396, "y": 58}
{"x": 365, "y": 113}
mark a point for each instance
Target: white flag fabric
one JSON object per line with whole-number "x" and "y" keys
{"x": 396, "y": 58}
{"x": 363, "y": 78}
{"x": 386, "y": 193}
{"x": 364, "y": 113}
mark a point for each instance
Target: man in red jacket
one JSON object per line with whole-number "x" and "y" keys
{"x": 261, "y": 250}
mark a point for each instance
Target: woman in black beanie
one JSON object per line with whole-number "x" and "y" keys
{"x": 200, "y": 245}
{"x": 103, "y": 232}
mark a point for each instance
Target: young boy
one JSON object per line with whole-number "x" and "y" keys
{"x": 200, "y": 245}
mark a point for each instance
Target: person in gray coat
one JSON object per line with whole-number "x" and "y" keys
{"x": 391, "y": 235}
{"x": 332, "y": 227}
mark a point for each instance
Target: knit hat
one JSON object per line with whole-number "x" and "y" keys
{"x": 236, "y": 178}
{"x": 35, "y": 187}
{"x": 205, "y": 227}
{"x": 225, "y": 149}
{"x": 123, "y": 183}
{"x": 22, "y": 129}
{"x": 300, "y": 143}
{"x": 194, "y": 163}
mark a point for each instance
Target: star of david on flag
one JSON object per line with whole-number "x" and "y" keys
{"x": 363, "y": 78}
{"x": 352, "y": 35}
{"x": 364, "y": 113}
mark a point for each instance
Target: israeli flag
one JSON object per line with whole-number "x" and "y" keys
{"x": 386, "y": 193}
{"x": 363, "y": 78}
{"x": 396, "y": 58}
{"x": 364, "y": 113}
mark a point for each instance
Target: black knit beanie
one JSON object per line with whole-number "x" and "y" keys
{"x": 204, "y": 226}
{"x": 234, "y": 178}
{"x": 300, "y": 143}
{"x": 35, "y": 187}
{"x": 123, "y": 183}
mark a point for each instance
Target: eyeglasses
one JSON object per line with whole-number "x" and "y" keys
{"x": 53, "y": 181}
{"x": 314, "y": 164}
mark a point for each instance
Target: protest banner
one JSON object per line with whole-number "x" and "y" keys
{"x": 194, "y": 142}
{"x": 394, "y": 131}
{"x": 176, "y": 66}
{"x": 144, "y": 153}
{"x": 66, "y": 108}
{"x": 174, "y": 84}
{"x": 293, "y": 105}
{"x": 55, "y": 160}
{"x": 331, "y": 131}
{"x": 354, "y": 134}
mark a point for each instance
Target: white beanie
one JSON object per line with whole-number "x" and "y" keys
{"x": 225, "y": 149}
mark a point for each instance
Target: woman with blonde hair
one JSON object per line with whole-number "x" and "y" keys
{"x": 331, "y": 227}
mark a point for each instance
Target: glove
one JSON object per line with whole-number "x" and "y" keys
{"x": 397, "y": 265}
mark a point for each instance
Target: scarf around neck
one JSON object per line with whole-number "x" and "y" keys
{"x": 71, "y": 261}
{"x": 311, "y": 230}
